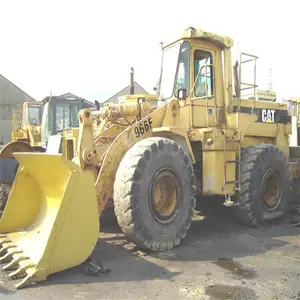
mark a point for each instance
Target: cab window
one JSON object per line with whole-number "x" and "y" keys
{"x": 204, "y": 84}
{"x": 34, "y": 114}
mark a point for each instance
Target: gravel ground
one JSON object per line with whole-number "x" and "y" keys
{"x": 219, "y": 259}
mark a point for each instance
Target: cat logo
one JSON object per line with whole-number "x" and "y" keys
{"x": 268, "y": 115}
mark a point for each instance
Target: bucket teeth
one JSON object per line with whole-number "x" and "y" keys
{"x": 17, "y": 264}
{"x": 17, "y": 258}
{"x": 5, "y": 258}
{"x": 29, "y": 279}
{"x": 9, "y": 254}
{"x": 21, "y": 271}
{"x": 4, "y": 240}
{"x": 5, "y": 247}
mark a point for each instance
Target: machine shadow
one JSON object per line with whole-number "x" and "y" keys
{"x": 217, "y": 234}
{"x": 123, "y": 265}
{"x": 213, "y": 235}
{"x": 125, "y": 261}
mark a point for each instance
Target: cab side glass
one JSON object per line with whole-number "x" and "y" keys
{"x": 74, "y": 115}
{"x": 204, "y": 84}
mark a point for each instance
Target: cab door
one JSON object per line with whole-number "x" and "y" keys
{"x": 203, "y": 100}
{"x": 207, "y": 97}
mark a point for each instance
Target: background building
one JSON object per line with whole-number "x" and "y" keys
{"x": 11, "y": 97}
{"x": 126, "y": 91}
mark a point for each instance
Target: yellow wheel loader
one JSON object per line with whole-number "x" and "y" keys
{"x": 150, "y": 162}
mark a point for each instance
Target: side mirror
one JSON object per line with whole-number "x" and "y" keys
{"x": 181, "y": 94}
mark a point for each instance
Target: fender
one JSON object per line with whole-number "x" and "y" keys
{"x": 116, "y": 150}
{"x": 8, "y": 164}
{"x": 178, "y": 135}
{"x": 130, "y": 136}
{"x": 18, "y": 146}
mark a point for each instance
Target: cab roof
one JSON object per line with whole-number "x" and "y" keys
{"x": 221, "y": 41}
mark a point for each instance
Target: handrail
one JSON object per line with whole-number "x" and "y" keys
{"x": 253, "y": 85}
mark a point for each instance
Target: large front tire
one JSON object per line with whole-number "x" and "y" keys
{"x": 154, "y": 193}
{"x": 265, "y": 185}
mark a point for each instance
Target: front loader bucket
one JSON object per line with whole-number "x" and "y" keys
{"x": 50, "y": 222}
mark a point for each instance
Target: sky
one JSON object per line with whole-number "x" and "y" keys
{"x": 87, "y": 47}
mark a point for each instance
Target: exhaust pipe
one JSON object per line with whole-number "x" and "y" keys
{"x": 131, "y": 81}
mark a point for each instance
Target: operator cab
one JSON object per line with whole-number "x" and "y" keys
{"x": 192, "y": 70}
{"x": 59, "y": 113}
{"x": 188, "y": 64}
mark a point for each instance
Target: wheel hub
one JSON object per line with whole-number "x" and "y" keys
{"x": 164, "y": 195}
{"x": 271, "y": 189}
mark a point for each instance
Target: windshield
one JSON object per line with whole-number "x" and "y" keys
{"x": 34, "y": 114}
{"x": 168, "y": 71}
{"x": 66, "y": 116}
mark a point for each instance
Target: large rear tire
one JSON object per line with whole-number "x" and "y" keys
{"x": 154, "y": 194}
{"x": 265, "y": 185}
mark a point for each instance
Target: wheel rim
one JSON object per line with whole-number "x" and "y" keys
{"x": 271, "y": 189}
{"x": 165, "y": 195}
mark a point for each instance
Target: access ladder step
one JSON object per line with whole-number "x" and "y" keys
{"x": 232, "y": 161}
{"x": 231, "y": 182}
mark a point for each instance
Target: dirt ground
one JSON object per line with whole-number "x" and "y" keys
{"x": 219, "y": 259}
